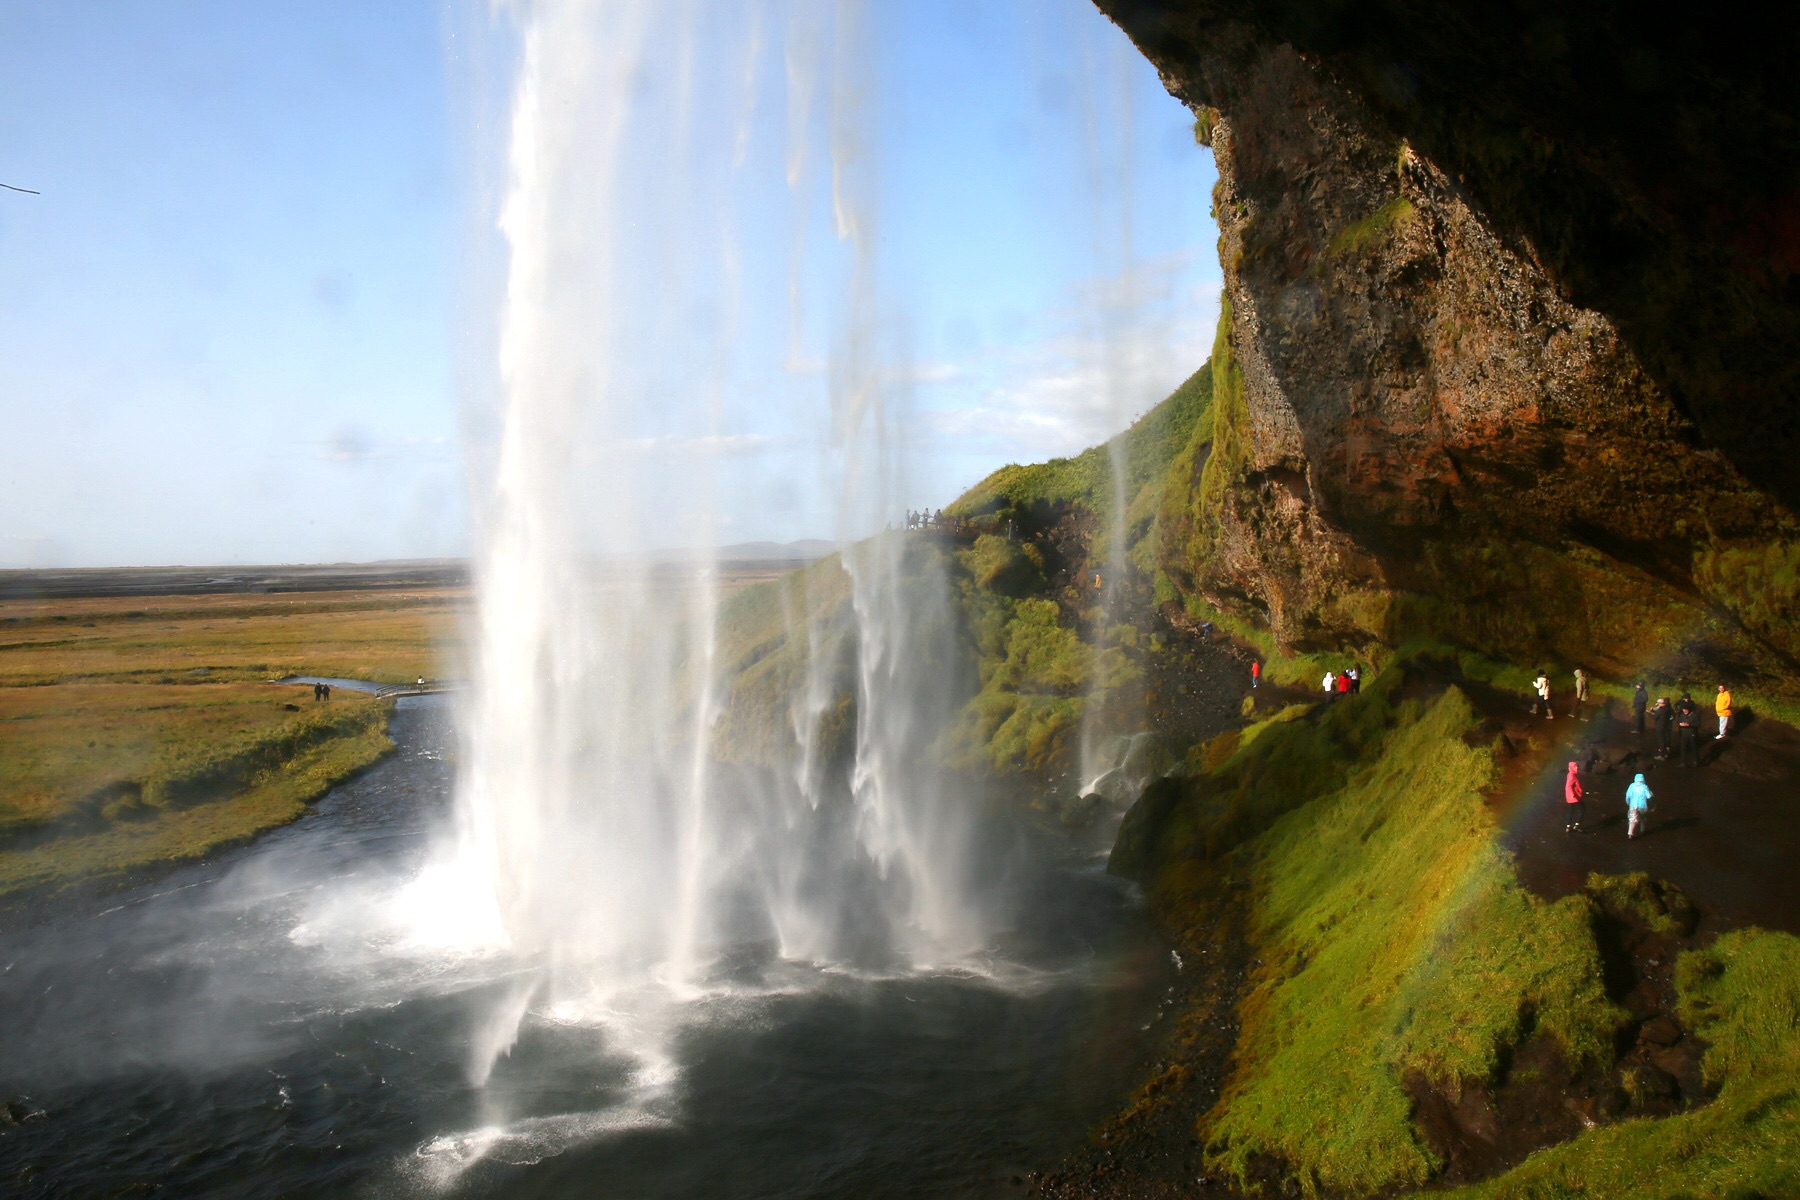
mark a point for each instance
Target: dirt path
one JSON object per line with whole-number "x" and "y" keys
{"x": 1727, "y": 833}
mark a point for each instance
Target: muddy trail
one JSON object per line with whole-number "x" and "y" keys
{"x": 1727, "y": 833}
{"x": 1718, "y": 853}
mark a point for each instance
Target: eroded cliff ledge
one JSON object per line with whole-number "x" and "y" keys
{"x": 1510, "y": 349}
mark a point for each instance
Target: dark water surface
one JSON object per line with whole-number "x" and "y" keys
{"x": 258, "y": 1026}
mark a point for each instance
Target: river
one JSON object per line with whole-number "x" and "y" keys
{"x": 259, "y": 1025}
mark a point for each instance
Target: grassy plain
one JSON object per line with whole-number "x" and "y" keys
{"x": 139, "y": 730}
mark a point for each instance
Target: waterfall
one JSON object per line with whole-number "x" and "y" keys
{"x": 600, "y": 843}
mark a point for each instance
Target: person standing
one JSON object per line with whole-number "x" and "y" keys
{"x": 1687, "y": 730}
{"x": 1663, "y": 716}
{"x": 1572, "y": 794}
{"x": 1722, "y": 706}
{"x": 1581, "y": 691}
{"x": 1330, "y": 685}
{"x": 1637, "y": 804}
{"x": 1542, "y": 685}
{"x": 1640, "y": 700}
{"x": 1355, "y": 680}
{"x": 1343, "y": 682}
{"x": 1255, "y": 674}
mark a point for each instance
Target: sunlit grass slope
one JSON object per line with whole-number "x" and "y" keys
{"x": 1741, "y": 994}
{"x": 1395, "y": 944}
{"x": 1037, "y": 673}
{"x": 1396, "y": 939}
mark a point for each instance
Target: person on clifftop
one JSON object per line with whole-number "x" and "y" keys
{"x": 1255, "y": 674}
{"x": 1640, "y": 700}
{"x": 1572, "y": 793}
{"x": 1330, "y": 685}
{"x": 1687, "y": 730}
{"x": 1637, "y": 804}
{"x": 1722, "y": 706}
{"x": 1542, "y": 685}
{"x": 1664, "y": 717}
{"x": 1343, "y": 682}
{"x": 1355, "y": 680}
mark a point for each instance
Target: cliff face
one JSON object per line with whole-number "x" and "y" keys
{"x": 1419, "y": 430}
{"x": 1649, "y": 161}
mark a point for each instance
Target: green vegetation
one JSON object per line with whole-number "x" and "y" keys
{"x": 198, "y": 796}
{"x": 388, "y": 637}
{"x": 140, "y": 730}
{"x": 1742, "y": 995}
{"x": 1212, "y": 463}
{"x": 1397, "y": 942}
{"x": 783, "y": 645}
{"x": 1395, "y": 214}
{"x": 1759, "y": 583}
{"x": 1149, "y": 448}
{"x": 1037, "y": 673}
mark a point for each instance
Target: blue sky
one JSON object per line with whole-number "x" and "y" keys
{"x": 245, "y": 318}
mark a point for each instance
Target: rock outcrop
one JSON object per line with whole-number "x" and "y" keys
{"x": 1479, "y": 380}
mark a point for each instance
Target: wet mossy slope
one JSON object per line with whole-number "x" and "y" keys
{"x": 1401, "y": 971}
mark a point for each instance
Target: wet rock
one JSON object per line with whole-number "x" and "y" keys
{"x": 1136, "y": 851}
{"x": 14, "y": 1113}
{"x": 1660, "y": 1031}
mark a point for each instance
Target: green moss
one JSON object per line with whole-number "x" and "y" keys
{"x": 1035, "y": 674}
{"x": 1206, "y": 119}
{"x": 1659, "y": 905}
{"x": 782, "y": 644}
{"x": 1397, "y": 940}
{"x": 1759, "y": 582}
{"x": 1395, "y": 214}
{"x": 1742, "y": 995}
{"x": 1006, "y": 568}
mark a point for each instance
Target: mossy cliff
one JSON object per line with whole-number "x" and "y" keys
{"x": 1419, "y": 431}
{"x": 1040, "y": 660}
{"x": 1412, "y": 1015}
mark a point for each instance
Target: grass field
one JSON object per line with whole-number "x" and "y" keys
{"x": 139, "y": 730}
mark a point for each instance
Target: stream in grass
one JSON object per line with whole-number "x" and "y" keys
{"x": 272, "y": 1023}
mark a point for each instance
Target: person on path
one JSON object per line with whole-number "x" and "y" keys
{"x": 1640, "y": 700}
{"x": 1542, "y": 684}
{"x": 1355, "y": 680}
{"x": 1255, "y": 674}
{"x": 1637, "y": 804}
{"x": 1343, "y": 683}
{"x": 1330, "y": 685}
{"x": 1687, "y": 730}
{"x": 1581, "y": 691}
{"x": 318, "y": 691}
{"x": 1722, "y": 706}
{"x": 1664, "y": 717}
{"x": 1572, "y": 793}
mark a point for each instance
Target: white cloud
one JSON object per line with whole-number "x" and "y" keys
{"x": 1118, "y": 347}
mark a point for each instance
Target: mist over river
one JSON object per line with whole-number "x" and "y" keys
{"x": 270, "y": 1023}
